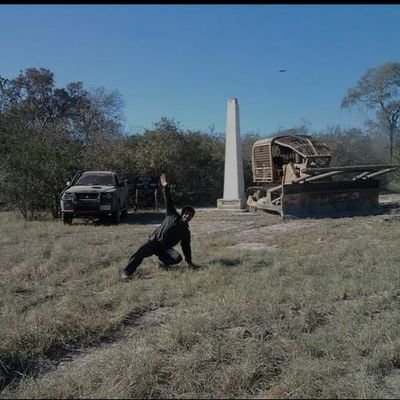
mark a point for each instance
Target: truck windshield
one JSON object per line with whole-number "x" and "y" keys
{"x": 96, "y": 180}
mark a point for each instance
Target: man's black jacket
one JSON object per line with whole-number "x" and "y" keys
{"x": 173, "y": 230}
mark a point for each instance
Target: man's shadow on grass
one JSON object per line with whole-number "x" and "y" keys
{"x": 225, "y": 262}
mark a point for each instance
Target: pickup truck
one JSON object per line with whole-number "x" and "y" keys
{"x": 94, "y": 194}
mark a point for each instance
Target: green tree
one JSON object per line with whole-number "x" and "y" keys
{"x": 193, "y": 160}
{"x": 203, "y": 174}
{"x": 47, "y": 134}
{"x": 34, "y": 120}
{"x": 378, "y": 89}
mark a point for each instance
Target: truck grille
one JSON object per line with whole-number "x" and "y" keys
{"x": 87, "y": 207}
{"x": 87, "y": 196}
{"x": 87, "y": 201}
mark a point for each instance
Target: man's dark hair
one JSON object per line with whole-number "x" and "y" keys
{"x": 189, "y": 209}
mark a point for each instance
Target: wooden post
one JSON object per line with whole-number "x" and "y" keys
{"x": 136, "y": 199}
{"x": 156, "y": 199}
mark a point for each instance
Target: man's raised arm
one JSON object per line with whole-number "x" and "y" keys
{"x": 167, "y": 195}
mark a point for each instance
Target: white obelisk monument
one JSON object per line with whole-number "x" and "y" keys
{"x": 234, "y": 197}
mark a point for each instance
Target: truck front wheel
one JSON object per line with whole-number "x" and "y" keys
{"x": 116, "y": 215}
{"x": 66, "y": 218}
{"x": 124, "y": 213}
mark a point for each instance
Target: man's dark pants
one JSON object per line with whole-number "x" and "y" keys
{"x": 167, "y": 255}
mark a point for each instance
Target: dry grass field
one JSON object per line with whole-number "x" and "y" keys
{"x": 280, "y": 309}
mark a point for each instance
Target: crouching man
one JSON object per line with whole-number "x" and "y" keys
{"x": 174, "y": 229}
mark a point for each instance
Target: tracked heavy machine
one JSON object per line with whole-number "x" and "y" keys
{"x": 295, "y": 179}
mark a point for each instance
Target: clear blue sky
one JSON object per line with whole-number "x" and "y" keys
{"x": 186, "y": 61}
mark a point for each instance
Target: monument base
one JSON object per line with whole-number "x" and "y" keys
{"x": 237, "y": 204}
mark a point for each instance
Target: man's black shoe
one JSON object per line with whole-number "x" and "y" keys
{"x": 125, "y": 277}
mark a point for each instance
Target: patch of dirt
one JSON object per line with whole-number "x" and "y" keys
{"x": 262, "y": 233}
{"x": 85, "y": 357}
{"x": 255, "y": 228}
{"x": 208, "y": 222}
{"x": 151, "y": 318}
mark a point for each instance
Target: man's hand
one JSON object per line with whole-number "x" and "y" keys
{"x": 163, "y": 180}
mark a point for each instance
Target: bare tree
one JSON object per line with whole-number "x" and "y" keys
{"x": 378, "y": 89}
